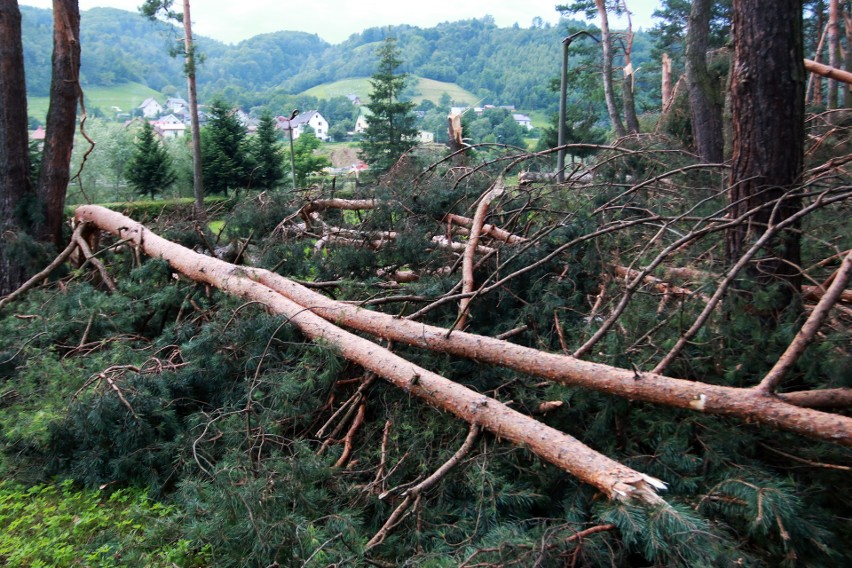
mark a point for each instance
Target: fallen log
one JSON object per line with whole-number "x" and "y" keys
{"x": 617, "y": 481}
{"x": 828, "y": 71}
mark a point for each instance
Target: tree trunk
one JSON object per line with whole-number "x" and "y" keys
{"x": 617, "y": 481}
{"x": 743, "y": 403}
{"x": 14, "y": 157}
{"x": 61, "y": 120}
{"x": 847, "y": 60}
{"x": 627, "y": 100}
{"x": 833, "y": 48}
{"x": 609, "y": 93}
{"x": 189, "y": 47}
{"x": 704, "y": 93}
{"x": 666, "y": 84}
{"x": 767, "y": 104}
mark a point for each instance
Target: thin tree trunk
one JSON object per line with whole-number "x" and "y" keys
{"x": 189, "y": 47}
{"x": 627, "y": 99}
{"x": 666, "y": 87}
{"x": 61, "y": 120}
{"x": 745, "y": 404}
{"x": 704, "y": 94}
{"x": 833, "y": 48}
{"x": 813, "y": 92}
{"x": 767, "y": 100}
{"x": 847, "y": 60}
{"x": 609, "y": 93}
{"x": 14, "y": 156}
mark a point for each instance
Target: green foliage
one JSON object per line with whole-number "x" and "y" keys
{"x": 265, "y": 155}
{"x": 149, "y": 169}
{"x": 390, "y": 124}
{"x": 306, "y": 159}
{"x": 58, "y": 525}
{"x": 223, "y": 153}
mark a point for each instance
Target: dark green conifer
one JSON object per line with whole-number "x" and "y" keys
{"x": 223, "y": 150}
{"x": 264, "y": 150}
{"x": 150, "y": 169}
{"x": 391, "y": 127}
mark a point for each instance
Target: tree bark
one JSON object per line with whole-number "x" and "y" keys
{"x": 767, "y": 104}
{"x": 189, "y": 47}
{"x": 609, "y": 93}
{"x": 65, "y": 93}
{"x": 745, "y": 404}
{"x": 833, "y": 49}
{"x": 14, "y": 155}
{"x": 666, "y": 84}
{"x": 617, "y": 481}
{"x": 627, "y": 99}
{"x": 705, "y": 101}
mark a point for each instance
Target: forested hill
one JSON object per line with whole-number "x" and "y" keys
{"x": 502, "y": 65}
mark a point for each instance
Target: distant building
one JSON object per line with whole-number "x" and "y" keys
{"x": 150, "y": 108}
{"x": 169, "y": 126}
{"x": 299, "y": 124}
{"x": 361, "y": 124}
{"x": 176, "y": 105}
{"x": 523, "y": 120}
{"x": 354, "y": 99}
{"x": 426, "y": 137}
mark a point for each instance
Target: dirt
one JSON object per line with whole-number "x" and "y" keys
{"x": 343, "y": 157}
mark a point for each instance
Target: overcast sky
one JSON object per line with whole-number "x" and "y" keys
{"x": 231, "y": 21}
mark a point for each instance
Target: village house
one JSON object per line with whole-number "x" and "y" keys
{"x": 176, "y": 105}
{"x": 361, "y": 124}
{"x": 169, "y": 126}
{"x": 299, "y": 124}
{"x": 354, "y": 99}
{"x": 523, "y": 120}
{"x": 150, "y": 108}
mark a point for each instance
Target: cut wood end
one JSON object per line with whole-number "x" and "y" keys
{"x": 642, "y": 490}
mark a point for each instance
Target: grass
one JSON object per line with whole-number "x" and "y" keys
{"x": 424, "y": 89}
{"x": 126, "y": 96}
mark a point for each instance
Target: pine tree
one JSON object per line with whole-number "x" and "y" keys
{"x": 390, "y": 125}
{"x": 223, "y": 152}
{"x": 265, "y": 155}
{"x": 150, "y": 169}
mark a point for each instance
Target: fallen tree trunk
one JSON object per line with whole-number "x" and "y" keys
{"x": 828, "y": 71}
{"x": 617, "y": 481}
{"x": 743, "y": 403}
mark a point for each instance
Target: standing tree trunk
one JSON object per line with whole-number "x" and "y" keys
{"x": 705, "y": 103}
{"x": 61, "y": 120}
{"x": 627, "y": 99}
{"x": 609, "y": 93}
{"x": 847, "y": 60}
{"x": 189, "y": 47}
{"x": 833, "y": 48}
{"x": 767, "y": 104}
{"x": 666, "y": 81}
{"x": 14, "y": 162}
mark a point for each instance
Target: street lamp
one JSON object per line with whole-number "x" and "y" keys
{"x": 292, "y": 158}
{"x": 560, "y": 155}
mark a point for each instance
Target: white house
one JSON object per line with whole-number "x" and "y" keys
{"x": 150, "y": 107}
{"x": 299, "y": 124}
{"x": 523, "y": 120}
{"x": 361, "y": 124}
{"x": 176, "y": 105}
{"x": 169, "y": 126}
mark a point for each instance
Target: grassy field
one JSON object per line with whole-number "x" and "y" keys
{"x": 425, "y": 89}
{"x": 126, "y": 96}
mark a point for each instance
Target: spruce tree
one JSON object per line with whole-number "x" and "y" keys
{"x": 267, "y": 167}
{"x": 150, "y": 169}
{"x": 223, "y": 153}
{"x": 391, "y": 127}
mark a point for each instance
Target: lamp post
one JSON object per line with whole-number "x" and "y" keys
{"x": 292, "y": 154}
{"x": 563, "y": 91}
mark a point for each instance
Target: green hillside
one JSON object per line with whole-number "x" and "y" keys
{"x": 421, "y": 87}
{"x": 126, "y": 96}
